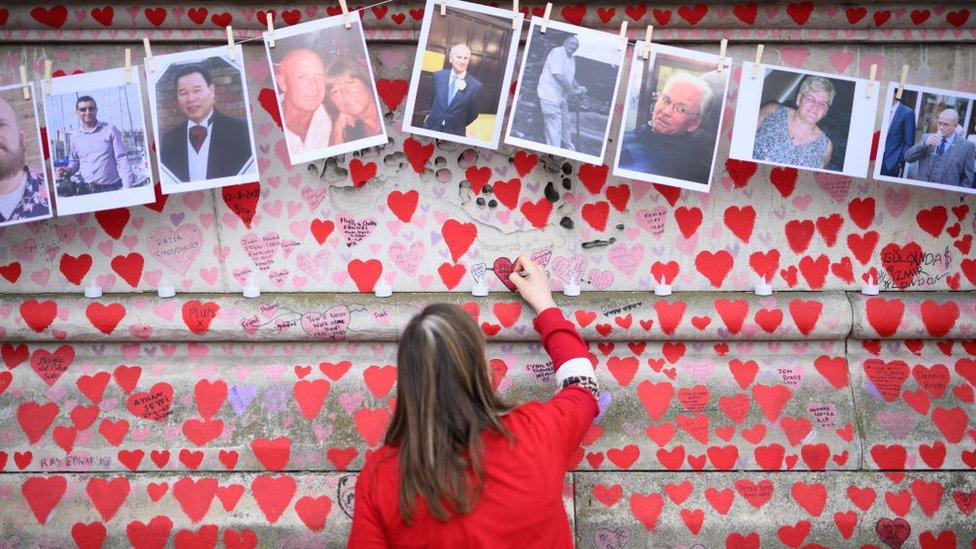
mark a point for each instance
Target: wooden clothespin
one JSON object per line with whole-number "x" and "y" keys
{"x": 871, "y": 80}
{"x": 345, "y": 14}
{"x": 721, "y": 54}
{"x": 443, "y": 8}
{"x": 545, "y": 18}
{"x": 230, "y": 43}
{"x": 515, "y": 15}
{"x": 47, "y": 77}
{"x": 901, "y": 82}
{"x": 128, "y": 65}
{"x": 149, "y": 59}
{"x": 623, "y": 32}
{"x": 23, "y": 82}
{"x": 755, "y": 66}
{"x": 648, "y": 34}
{"x": 271, "y": 36}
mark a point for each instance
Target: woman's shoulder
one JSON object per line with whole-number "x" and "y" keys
{"x": 381, "y": 460}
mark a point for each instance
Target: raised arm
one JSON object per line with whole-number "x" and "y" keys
{"x": 567, "y": 349}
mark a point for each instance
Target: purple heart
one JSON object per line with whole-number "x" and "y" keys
{"x": 150, "y": 351}
{"x": 275, "y": 398}
{"x": 99, "y": 350}
{"x": 177, "y": 218}
{"x": 603, "y": 402}
{"x": 241, "y": 396}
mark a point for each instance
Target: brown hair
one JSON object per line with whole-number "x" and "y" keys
{"x": 444, "y": 401}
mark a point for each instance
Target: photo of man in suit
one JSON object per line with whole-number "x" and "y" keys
{"x": 900, "y": 135}
{"x": 207, "y": 144}
{"x": 944, "y": 157}
{"x": 456, "y": 95}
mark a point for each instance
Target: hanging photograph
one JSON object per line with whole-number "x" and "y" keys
{"x": 928, "y": 139}
{"x": 803, "y": 119}
{"x": 462, "y": 73}
{"x": 325, "y": 88}
{"x": 96, "y": 133}
{"x": 24, "y": 194}
{"x": 566, "y": 91}
{"x": 672, "y": 117}
{"x": 201, "y": 119}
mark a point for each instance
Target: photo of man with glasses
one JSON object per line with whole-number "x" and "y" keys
{"x": 98, "y": 160}
{"x": 670, "y": 142}
{"x": 672, "y": 115}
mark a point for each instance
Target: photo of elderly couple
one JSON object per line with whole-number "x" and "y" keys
{"x": 325, "y": 88}
{"x": 928, "y": 139}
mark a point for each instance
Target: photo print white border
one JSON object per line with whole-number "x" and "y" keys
{"x": 639, "y": 70}
{"x": 558, "y": 151}
{"x": 432, "y": 9}
{"x": 121, "y": 198}
{"x": 317, "y": 26}
{"x": 42, "y": 164}
{"x": 168, "y": 182}
{"x": 859, "y": 134}
{"x": 886, "y": 121}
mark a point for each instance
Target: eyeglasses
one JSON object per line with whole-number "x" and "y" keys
{"x": 86, "y": 109}
{"x": 822, "y": 105}
{"x": 677, "y": 108}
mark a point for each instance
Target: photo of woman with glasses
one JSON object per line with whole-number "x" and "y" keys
{"x": 673, "y": 112}
{"x": 790, "y": 135}
{"x": 804, "y": 119}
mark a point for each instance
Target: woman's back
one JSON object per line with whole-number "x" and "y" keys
{"x": 459, "y": 466}
{"x": 521, "y": 500}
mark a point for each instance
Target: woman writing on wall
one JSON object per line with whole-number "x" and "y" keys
{"x": 460, "y": 467}
{"x": 791, "y": 136}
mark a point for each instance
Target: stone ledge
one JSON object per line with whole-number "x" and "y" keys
{"x": 611, "y": 316}
{"x": 914, "y": 315}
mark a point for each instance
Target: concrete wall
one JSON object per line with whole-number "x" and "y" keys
{"x": 817, "y": 416}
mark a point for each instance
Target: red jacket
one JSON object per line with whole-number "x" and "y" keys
{"x": 521, "y": 502}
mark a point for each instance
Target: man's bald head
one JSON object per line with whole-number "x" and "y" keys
{"x": 301, "y": 79}
{"x": 11, "y": 142}
{"x": 947, "y": 122}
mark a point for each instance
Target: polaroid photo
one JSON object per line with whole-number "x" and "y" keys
{"x": 462, "y": 73}
{"x": 325, "y": 88}
{"x": 566, "y": 90}
{"x": 672, "y": 117}
{"x": 928, "y": 139}
{"x": 201, "y": 120}
{"x": 96, "y": 132}
{"x": 804, "y": 119}
{"x": 24, "y": 191}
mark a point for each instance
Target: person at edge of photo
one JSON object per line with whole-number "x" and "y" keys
{"x": 22, "y": 191}
{"x": 460, "y": 467}
{"x": 900, "y": 135}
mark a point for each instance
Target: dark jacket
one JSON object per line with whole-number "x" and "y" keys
{"x": 453, "y": 117}
{"x": 230, "y": 148}
{"x": 686, "y": 156}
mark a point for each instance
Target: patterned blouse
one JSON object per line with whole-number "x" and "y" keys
{"x": 34, "y": 202}
{"x": 774, "y": 144}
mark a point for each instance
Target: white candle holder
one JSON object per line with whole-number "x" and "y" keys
{"x": 571, "y": 289}
{"x": 251, "y": 289}
{"x": 93, "y": 291}
{"x": 165, "y": 290}
{"x": 382, "y": 289}
{"x": 480, "y": 289}
{"x": 763, "y": 288}
{"x": 661, "y": 288}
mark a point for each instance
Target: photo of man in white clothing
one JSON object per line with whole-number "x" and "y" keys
{"x": 557, "y": 85}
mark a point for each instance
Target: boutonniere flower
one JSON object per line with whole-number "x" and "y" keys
{"x": 462, "y": 83}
